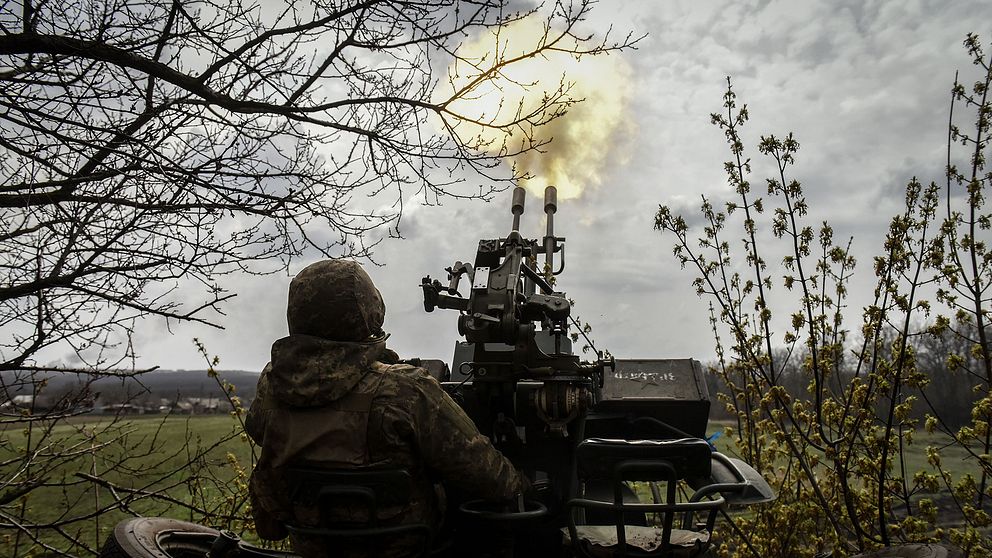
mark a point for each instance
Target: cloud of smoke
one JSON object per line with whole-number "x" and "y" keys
{"x": 581, "y": 142}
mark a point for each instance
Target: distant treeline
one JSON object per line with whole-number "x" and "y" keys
{"x": 949, "y": 393}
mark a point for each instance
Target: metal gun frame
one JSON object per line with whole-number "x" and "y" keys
{"x": 516, "y": 376}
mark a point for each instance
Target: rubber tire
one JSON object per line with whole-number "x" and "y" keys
{"x": 914, "y": 551}
{"x": 148, "y": 537}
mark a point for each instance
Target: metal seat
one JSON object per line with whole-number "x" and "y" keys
{"x": 364, "y": 494}
{"x": 620, "y": 461}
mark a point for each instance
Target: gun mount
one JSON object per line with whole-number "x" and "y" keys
{"x": 563, "y": 421}
{"x": 515, "y": 325}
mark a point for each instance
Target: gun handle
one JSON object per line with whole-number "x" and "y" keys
{"x": 430, "y": 293}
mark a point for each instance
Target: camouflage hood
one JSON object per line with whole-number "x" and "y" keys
{"x": 308, "y": 371}
{"x": 335, "y": 299}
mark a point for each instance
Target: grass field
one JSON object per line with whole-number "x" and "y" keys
{"x": 955, "y": 459}
{"x": 185, "y": 459}
{"x": 181, "y": 458}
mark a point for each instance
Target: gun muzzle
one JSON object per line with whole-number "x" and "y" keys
{"x": 550, "y": 200}
{"x": 550, "y": 242}
{"x": 517, "y": 207}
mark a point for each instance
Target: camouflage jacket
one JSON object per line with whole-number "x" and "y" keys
{"x": 331, "y": 404}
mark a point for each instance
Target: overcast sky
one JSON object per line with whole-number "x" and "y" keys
{"x": 864, "y": 85}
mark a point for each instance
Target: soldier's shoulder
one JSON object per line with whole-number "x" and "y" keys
{"x": 407, "y": 378}
{"x": 402, "y": 372}
{"x": 263, "y": 386}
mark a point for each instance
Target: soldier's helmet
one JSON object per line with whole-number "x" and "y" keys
{"x": 336, "y": 300}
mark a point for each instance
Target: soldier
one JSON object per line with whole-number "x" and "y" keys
{"x": 333, "y": 397}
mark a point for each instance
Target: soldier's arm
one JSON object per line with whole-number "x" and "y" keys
{"x": 455, "y": 449}
{"x": 255, "y": 419}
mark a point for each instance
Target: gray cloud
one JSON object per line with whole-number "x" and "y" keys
{"x": 864, "y": 86}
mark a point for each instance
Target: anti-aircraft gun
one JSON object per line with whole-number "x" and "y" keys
{"x": 516, "y": 363}
{"x": 516, "y": 375}
{"x": 580, "y": 430}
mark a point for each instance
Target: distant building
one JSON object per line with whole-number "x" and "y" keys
{"x": 120, "y": 409}
{"x": 16, "y": 403}
{"x": 194, "y": 406}
{"x": 205, "y": 405}
{"x": 23, "y": 400}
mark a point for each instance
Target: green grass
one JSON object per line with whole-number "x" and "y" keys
{"x": 149, "y": 454}
{"x": 954, "y": 459}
